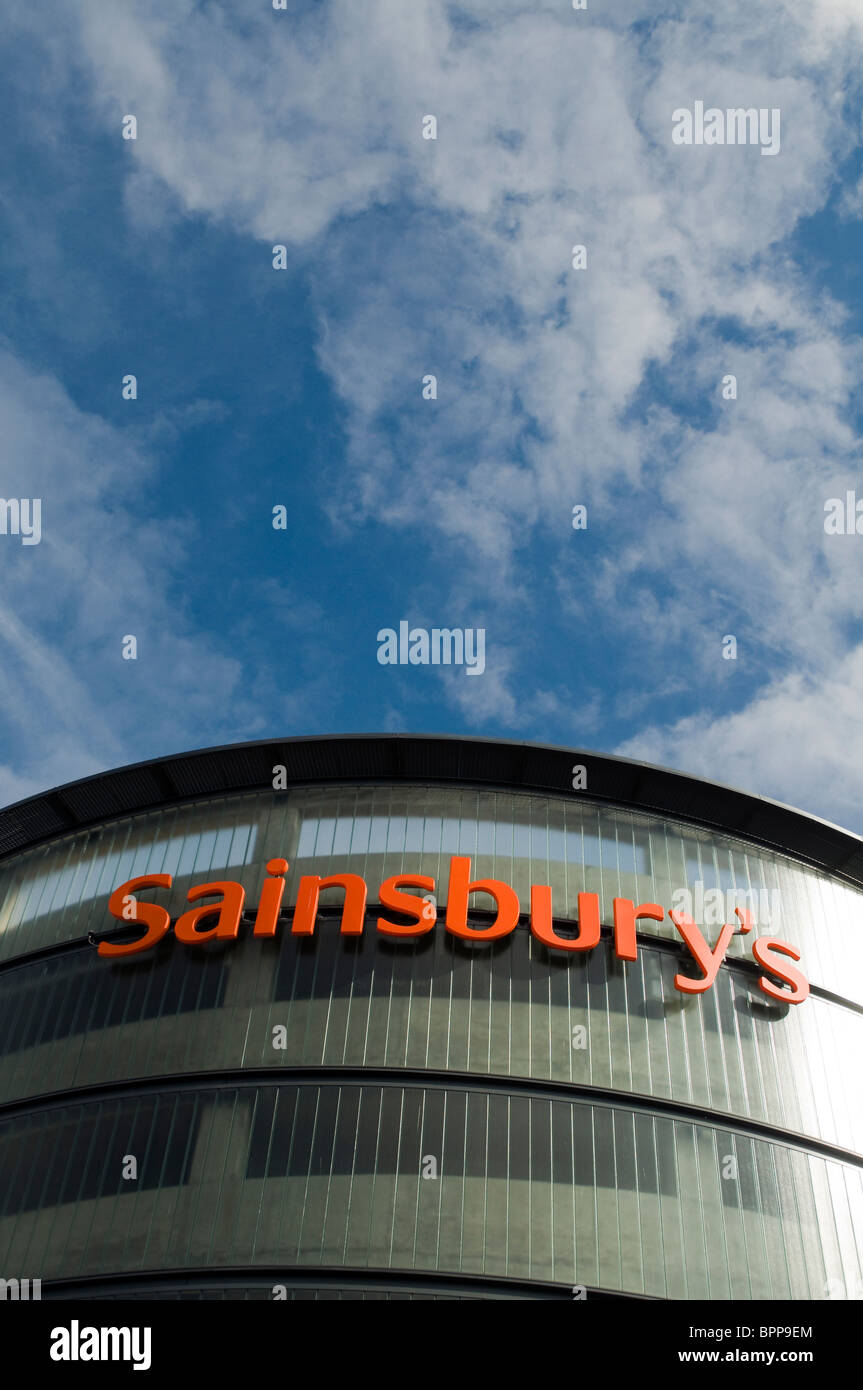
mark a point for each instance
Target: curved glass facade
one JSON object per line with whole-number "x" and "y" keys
{"x": 462, "y": 1111}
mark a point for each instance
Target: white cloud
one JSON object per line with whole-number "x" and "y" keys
{"x": 797, "y": 741}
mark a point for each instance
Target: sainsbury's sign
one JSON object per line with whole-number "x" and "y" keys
{"x": 781, "y": 980}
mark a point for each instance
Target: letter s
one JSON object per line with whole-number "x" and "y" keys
{"x": 411, "y": 906}
{"x": 157, "y": 918}
{"x": 764, "y": 949}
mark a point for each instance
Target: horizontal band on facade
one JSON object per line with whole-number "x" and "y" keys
{"x": 647, "y": 940}
{"x": 330, "y": 1277}
{"x": 433, "y": 1079}
{"x": 427, "y": 760}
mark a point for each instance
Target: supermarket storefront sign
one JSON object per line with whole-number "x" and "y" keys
{"x": 781, "y": 981}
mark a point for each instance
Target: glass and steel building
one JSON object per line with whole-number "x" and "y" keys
{"x": 362, "y": 1116}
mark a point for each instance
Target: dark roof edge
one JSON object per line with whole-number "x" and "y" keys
{"x": 444, "y": 758}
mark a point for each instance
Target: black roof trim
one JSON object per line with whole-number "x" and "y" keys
{"x": 444, "y": 758}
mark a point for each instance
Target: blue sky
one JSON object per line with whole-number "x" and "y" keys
{"x": 555, "y": 386}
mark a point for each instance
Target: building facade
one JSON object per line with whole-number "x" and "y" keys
{"x": 363, "y": 1114}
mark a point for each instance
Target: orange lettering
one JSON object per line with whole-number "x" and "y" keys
{"x": 793, "y": 987}
{"x": 353, "y": 912}
{"x": 709, "y": 961}
{"x": 746, "y": 922}
{"x": 763, "y": 949}
{"x": 626, "y": 914}
{"x": 588, "y": 921}
{"x": 270, "y": 901}
{"x": 408, "y": 904}
{"x": 460, "y": 886}
{"x": 229, "y": 911}
{"x": 158, "y": 919}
